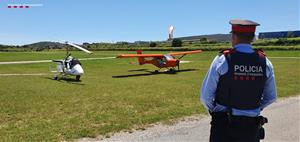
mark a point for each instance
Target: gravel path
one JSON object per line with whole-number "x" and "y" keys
{"x": 283, "y": 126}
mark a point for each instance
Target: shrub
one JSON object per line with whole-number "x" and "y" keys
{"x": 177, "y": 42}
{"x": 153, "y": 44}
{"x": 203, "y": 39}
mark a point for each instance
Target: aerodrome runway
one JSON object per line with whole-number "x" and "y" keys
{"x": 103, "y": 58}
{"x": 47, "y": 61}
{"x": 283, "y": 126}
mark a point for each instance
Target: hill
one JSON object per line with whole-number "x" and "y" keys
{"x": 44, "y": 45}
{"x": 213, "y": 37}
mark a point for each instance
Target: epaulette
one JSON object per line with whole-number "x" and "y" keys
{"x": 260, "y": 52}
{"x": 226, "y": 52}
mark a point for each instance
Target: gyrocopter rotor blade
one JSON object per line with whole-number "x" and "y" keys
{"x": 78, "y": 47}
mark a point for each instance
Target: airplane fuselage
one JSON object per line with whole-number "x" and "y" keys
{"x": 167, "y": 61}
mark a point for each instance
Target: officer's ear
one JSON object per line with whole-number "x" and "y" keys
{"x": 234, "y": 39}
{"x": 234, "y": 36}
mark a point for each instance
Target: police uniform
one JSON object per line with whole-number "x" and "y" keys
{"x": 238, "y": 86}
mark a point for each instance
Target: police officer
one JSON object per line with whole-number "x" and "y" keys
{"x": 238, "y": 86}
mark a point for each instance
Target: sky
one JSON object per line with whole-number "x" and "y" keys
{"x": 91, "y": 21}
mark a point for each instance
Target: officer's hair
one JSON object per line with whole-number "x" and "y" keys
{"x": 245, "y": 37}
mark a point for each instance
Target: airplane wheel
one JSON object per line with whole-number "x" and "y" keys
{"x": 156, "y": 71}
{"x": 172, "y": 71}
{"x": 77, "y": 77}
{"x": 55, "y": 78}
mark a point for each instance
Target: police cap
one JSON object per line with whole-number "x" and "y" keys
{"x": 244, "y": 26}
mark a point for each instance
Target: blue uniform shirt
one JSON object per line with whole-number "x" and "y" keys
{"x": 219, "y": 67}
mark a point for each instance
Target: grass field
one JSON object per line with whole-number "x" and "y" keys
{"x": 113, "y": 95}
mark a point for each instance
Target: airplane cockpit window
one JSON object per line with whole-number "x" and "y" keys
{"x": 168, "y": 57}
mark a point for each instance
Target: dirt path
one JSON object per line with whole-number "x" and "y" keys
{"x": 47, "y": 61}
{"x": 283, "y": 126}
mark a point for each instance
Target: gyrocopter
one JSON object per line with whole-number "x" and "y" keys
{"x": 69, "y": 65}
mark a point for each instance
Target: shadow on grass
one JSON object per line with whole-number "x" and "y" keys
{"x": 152, "y": 73}
{"x": 66, "y": 80}
{"x": 146, "y": 70}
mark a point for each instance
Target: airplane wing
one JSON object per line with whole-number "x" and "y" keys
{"x": 139, "y": 55}
{"x": 185, "y": 53}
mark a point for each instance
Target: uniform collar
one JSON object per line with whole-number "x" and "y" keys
{"x": 245, "y": 48}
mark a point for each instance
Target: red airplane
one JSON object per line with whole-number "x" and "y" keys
{"x": 159, "y": 60}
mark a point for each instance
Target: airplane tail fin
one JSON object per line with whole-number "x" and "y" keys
{"x": 140, "y": 59}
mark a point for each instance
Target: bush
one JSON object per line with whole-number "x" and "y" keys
{"x": 152, "y": 44}
{"x": 281, "y": 41}
{"x": 203, "y": 39}
{"x": 177, "y": 43}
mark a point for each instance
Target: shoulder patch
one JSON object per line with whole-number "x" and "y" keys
{"x": 226, "y": 52}
{"x": 260, "y": 52}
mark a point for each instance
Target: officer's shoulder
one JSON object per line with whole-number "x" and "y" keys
{"x": 226, "y": 52}
{"x": 221, "y": 57}
{"x": 260, "y": 52}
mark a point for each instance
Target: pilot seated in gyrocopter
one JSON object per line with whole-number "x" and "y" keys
{"x": 70, "y": 65}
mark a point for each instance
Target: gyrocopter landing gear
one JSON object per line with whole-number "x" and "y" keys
{"x": 77, "y": 77}
{"x": 55, "y": 78}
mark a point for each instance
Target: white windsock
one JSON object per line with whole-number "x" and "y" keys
{"x": 78, "y": 47}
{"x": 171, "y": 29}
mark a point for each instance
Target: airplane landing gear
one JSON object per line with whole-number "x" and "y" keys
{"x": 172, "y": 70}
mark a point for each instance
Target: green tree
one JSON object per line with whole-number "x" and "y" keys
{"x": 203, "y": 39}
{"x": 153, "y": 44}
{"x": 177, "y": 42}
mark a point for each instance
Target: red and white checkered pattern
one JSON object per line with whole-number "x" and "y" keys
{"x": 23, "y": 6}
